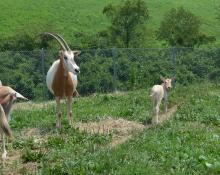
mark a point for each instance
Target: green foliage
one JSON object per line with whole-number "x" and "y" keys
{"x": 19, "y": 42}
{"x": 204, "y": 110}
{"x": 127, "y": 23}
{"x": 181, "y": 28}
{"x": 32, "y": 156}
{"x": 186, "y": 144}
{"x": 96, "y": 78}
{"x": 107, "y": 70}
{"x": 85, "y": 17}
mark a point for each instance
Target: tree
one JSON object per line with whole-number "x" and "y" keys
{"x": 182, "y": 28}
{"x": 127, "y": 22}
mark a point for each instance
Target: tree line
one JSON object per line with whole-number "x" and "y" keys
{"x": 109, "y": 70}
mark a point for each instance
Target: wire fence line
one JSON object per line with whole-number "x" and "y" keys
{"x": 109, "y": 70}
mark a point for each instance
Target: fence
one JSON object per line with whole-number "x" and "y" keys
{"x": 108, "y": 70}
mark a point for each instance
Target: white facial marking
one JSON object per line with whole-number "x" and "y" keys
{"x": 70, "y": 62}
{"x": 168, "y": 83}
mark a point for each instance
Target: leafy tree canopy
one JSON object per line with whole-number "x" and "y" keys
{"x": 181, "y": 28}
{"x": 127, "y": 22}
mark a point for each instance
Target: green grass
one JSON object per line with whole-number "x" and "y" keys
{"x": 186, "y": 144}
{"x": 82, "y": 16}
{"x": 131, "y": 105}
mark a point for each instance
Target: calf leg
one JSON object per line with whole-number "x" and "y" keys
{"x": 58, "y": 122}
{"x": 165, "y": 100}
{"x": 154, "y": 110}
{"x": 157, "y": 109}
{"x": 69, "y": 110}
{"x": 157, "y": 113}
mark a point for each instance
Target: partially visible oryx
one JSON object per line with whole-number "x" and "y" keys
{"x": 7, "y": 97}
{"x": 159, "y": 93}
{"x": 61, "y": 78}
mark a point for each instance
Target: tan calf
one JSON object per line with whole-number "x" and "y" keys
{"x": 159, "y": 93}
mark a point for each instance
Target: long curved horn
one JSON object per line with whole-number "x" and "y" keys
{"x": 64, "y": 42}
{"x": 54, "y": 36}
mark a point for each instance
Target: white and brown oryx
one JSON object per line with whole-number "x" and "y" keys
{"x": 61, "y": 78}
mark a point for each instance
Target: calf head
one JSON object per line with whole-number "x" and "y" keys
{"x": 167, "y": 82}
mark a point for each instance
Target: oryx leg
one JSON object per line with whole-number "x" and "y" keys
{"x": 69, "y": 110}
{"x": 4, "y": 154}
{"x": 58, "y": 110}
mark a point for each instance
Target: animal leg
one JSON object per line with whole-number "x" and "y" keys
{"x": 157, "y": 114}
{"x": 154, "y": 110}
{"x": 58, "y": 122}
{"x": 166, "y": 102}
{"x": 157, "y": 110}
{"x": 69, "y": 110}
{"x": 4, "y": 154}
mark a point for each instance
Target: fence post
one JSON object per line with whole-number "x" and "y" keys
{"x": 42, "y": 55}
{"x": 174, "y": 49}
{"x": 114, "y": 58}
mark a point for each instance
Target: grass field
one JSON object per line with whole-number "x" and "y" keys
{"x": 188, "y": 143}
{"x": 82, "y": 16}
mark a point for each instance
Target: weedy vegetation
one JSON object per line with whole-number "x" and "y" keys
{"x": 188, "y": 143}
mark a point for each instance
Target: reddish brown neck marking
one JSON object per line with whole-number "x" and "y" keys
{"x": 62, "y": 83}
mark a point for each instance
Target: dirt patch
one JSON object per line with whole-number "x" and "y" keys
{"x": 121, "y": 129}
{"x": 30, "y": 167}
{"x": 13, "y": 164}
{"x": 124, "y": 127}
{"x": 9, "y": 165}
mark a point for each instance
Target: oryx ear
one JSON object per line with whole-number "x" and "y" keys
{"x": 61, "y": 53}
{"x": 76, "y": 53}
{"x": 0, "y": 83}
{"x": 162, "y": 78}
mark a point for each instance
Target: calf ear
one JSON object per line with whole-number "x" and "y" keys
{"x": 173, "y": 78}
{"x": 162, "y": 78}
{"x": 76, "y": 53}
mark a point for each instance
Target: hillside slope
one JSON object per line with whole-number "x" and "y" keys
{"x": 70, "y": 17}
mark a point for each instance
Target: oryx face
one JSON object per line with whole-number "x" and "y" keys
{"x": 66, "y": 53}
{"x": 69, "y": 61}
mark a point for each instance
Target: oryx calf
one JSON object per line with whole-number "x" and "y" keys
{"x": 159, "y": 93}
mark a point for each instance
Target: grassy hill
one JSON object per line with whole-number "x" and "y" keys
{"x": 188, "y": 143}
{"x": 81, "y": 16}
